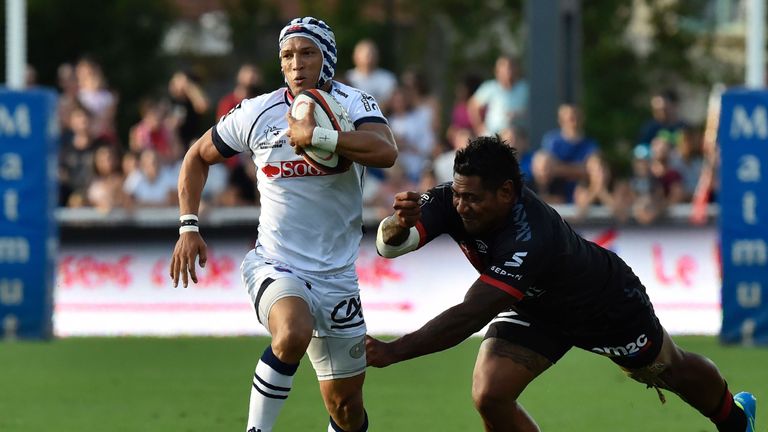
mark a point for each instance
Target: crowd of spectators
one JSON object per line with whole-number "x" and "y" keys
{"x": 671, "y": 161}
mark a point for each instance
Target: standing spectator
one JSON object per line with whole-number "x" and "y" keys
{"x": 76, "y": 157}
{"x": 414, "y": 137}
{"x": 504, "y": 99}
{"x": 94, "y": 94}
{"x": 460, "y": 110}
{"x": 155, "y": 131}
{"x": 568, "y": 150}
{"x": 188, "y": 104}
{"x": 665, "y": 121}
{"x": 151, "y": 185}
{"x": 368, "y": 76}
{"x": 247, "y": 85}
{"x": 106, "y": 189}
{"x": 426, "y": 104}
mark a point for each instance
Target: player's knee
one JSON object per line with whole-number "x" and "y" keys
{"x": 488, "y": 399}
{"x": 346, "y": 410}
{"x": 290, "y": 343}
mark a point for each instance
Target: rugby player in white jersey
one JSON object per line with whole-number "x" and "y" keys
{"x": 301, "y": 274}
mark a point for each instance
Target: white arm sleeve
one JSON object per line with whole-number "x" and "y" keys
{"x": 388, "y": 251}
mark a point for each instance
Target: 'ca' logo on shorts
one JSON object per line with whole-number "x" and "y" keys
{"x": 347, "y": 314}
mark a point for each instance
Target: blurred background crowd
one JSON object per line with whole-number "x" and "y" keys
{"x": 122, "y": 147}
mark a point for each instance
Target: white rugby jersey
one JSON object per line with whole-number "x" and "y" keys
{"x": 309, "y": 220}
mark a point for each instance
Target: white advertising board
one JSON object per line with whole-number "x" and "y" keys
{"x": 126, "y": 289}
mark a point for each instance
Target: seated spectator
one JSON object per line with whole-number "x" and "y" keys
{"x": 564, "y": 154}
{"x": 661, "y": 168}
{"x": 68, "y": 91}
{"x": 424, "y": 101}
{"x": 155, "y": 131}
{"x": 648, "y": 202}
{"x": 188, "y": 105}
{"x": 414, "y": 137}
{"x": 94, "y": 94}
{"x": 106, "y": 189}
{"x": 518, "y": 138}
{"x": 442, "y": 167}
{"x": 368, "y": 76}
{"x": 241, "y": 186}
{"x": 688, "y": 161}
{"x": 247, "y": 85}
{"x": 76, "y": 157}
{"x": 151, "y": 185}
{"x": 597, "y": 190}
{"x": 664, "y": 119}
{"x": 503, "y": 100}
{"x": 550, "y": 188}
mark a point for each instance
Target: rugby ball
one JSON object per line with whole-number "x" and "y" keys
{"x": 329, "y": 114}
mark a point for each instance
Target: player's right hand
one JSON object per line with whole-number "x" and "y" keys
{"x": 407, "y": 208}
{"x": 378, "y": 353}
{"x": 189, "y": 246}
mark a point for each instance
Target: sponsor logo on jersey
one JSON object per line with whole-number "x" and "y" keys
{"x": 629, "y": 350}
{"x": 481, "y": 246}
{"x": 369, "y": 103}
{"x": 500, "y": 271}
{"x": 517, "y": 259}
{"x": 290, "y": 169}
{"x": 269, "y": 136}
{"x": 340, "y": 92}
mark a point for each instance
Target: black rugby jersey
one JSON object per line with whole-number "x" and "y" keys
{"x": 537, "y": 258}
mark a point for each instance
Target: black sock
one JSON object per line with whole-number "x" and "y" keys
{"x": 728, "y": 417}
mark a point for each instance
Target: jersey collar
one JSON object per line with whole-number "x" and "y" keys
{"x": 288, "y": 96}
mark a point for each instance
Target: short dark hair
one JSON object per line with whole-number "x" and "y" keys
{"x": 492, "y": 159}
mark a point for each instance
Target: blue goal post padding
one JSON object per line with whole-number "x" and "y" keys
{"x": 743, "y": 138}
{"x": 29, "y": 138}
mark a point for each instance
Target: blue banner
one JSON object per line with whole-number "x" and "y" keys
{"x": 28, "y": 197}
{"x": 743, "y": 139}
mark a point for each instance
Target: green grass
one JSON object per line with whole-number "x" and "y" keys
{"x": 202, "y": 384}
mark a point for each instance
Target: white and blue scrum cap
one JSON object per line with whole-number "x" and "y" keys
{"x": 321, "y": 35}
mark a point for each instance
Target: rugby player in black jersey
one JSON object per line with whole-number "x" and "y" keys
{"x": 544, "y": 289}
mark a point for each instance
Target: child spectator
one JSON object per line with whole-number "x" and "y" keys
{"x": 106, "y": 189}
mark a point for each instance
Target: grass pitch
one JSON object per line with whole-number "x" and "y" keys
{"x": 202, "y": 384}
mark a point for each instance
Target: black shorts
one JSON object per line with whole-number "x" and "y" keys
{"x": 629, "y": 333}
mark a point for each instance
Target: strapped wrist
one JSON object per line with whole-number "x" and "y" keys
{"x": 325, "y": 139}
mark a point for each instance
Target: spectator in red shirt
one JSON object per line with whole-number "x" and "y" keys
{"x": 247, "y": 85}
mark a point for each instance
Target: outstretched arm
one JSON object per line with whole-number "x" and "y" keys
{"x": 480, "y": 305}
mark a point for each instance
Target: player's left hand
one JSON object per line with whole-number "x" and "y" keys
{"x": 378, "y": 353}
{"x": 300, "y": 131}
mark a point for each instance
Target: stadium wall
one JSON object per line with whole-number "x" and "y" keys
{"x": 116, "y": 282}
